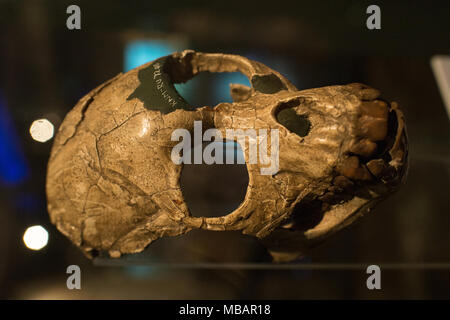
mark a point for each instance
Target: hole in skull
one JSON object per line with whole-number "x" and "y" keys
{"x": 290, "y": 119}
{"x": 210, "y": 89}
{"x": 214, "y": 190}
{"x": 307, "y": 214}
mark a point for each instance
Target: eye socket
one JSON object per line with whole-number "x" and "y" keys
{"x": 298, "y": 124}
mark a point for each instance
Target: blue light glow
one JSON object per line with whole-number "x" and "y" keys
{"x": 139, "y": 52}
{"x": 221, "y": 88}
{"x": 13, "y": 166}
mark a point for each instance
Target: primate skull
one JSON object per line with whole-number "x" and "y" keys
{"x": 112, "y": 185}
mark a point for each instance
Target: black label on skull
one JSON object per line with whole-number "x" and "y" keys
{"x": 156, "y": 89}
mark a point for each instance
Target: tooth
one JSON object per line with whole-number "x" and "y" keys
{"x": 342, "y": 182}
{"x": 375, "y": 109}
{"x": 373, "y": 128}
{"x": 364, "y": 91}
{"x": 351, "y": 168}
{"x": 327, "y": 197}
{"x": 369, "y": 94}
{"x": 376, "y": 166}
{"x": 364, "y": 147}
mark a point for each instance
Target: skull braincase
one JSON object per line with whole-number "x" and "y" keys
{"x": 112, "y": 186}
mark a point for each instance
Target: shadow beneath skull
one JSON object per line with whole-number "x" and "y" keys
{"x": 204, "y": 246}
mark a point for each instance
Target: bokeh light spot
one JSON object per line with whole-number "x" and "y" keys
{"x": 42, "y": 130}
{"x": 35, "y": 237}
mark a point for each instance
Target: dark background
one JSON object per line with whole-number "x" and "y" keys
{"x": 45, "y": 68}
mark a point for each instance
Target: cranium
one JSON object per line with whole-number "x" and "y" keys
{"x": 111, "y": 184}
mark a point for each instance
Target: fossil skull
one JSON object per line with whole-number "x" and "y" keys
{"x": 112, "y": 186}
